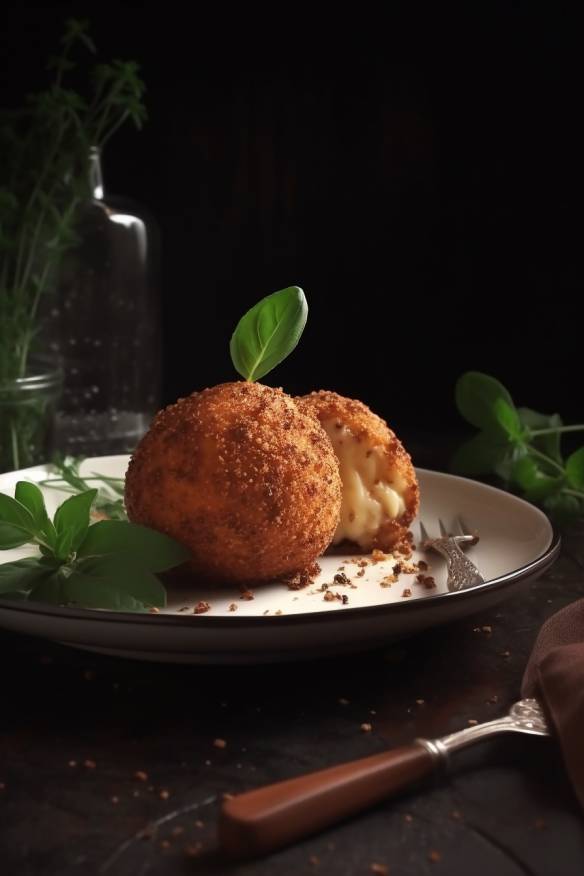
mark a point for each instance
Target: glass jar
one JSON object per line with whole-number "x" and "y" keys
{"x": 104, "y": 322}
{"x": 28, "y": 407}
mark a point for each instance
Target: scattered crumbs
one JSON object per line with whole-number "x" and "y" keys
{"x": 472, "y": 722}
{"x": 344, "y": 597}
{"x": 300, "y": 580}
{"x": 154, "y": 610}
{"x": 72, "y": 763}
{"x": 185, "y": 608}
{"x": 329, "y": 596}
{"x": 247, "y": 595}
{"x": 193, "y": 849}
{"x": 407, "y": 592}
{"x": 201, "y": 607}
{"x": 379, "y": 869}
{"x": 388, "y": 581}
{"x": 409, "y": 568}
{"x": 366, "y": 728}
{"x": 397, "y": 568}
{"x": 341, "y": 579}
{"x": 177, "y": 831}
{"x": 422, "y": 565}
{"x": 341, "y": 569}
{"x": 360, "y": 573}
{"x": 314, "y": 860}
{"x": 427, "y": 581}
{"x": 377, "y": 556}
{"x": 200, "y": 824}
{"x": 164, "y": 844}
{"x": 420, "y": 702}
{"x": 115, "y": 800}
{"x": 361, "y": 563}
{"x": 164, "y": 794}
{"x": 408, "y": 817}
{"x": 89, "y": 764}
{"x": 141, "y": 776}
{"x": 539, "y": 823}
{"x": 434, "y": 856}
{"x": 233, "y": 606}
{"x": 456, "y": 815}
{"x": 267, "y": 611}
{"x": 487, "y": 629}
{"x": 343, "y": 702}
{"x": 279, "y": 611}
{"x": 294, "y": 598}
{"x": 219, "y": 743}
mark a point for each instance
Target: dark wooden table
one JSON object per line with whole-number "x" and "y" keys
{"x": 110, "y": 767}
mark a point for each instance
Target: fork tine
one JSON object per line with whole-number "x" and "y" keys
{"x": 460, "y": 527}
{"x": 423, "y": 532}
{"x": 467, "y": 530}
{"x": 443, "y": 531}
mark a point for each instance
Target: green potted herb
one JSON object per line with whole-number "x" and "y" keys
{"x": 45, "y": 151}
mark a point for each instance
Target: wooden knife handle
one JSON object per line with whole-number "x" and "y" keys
{"x": 267, "y": 818}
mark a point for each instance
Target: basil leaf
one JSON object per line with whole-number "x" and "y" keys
{"x": 73, "y": 517}
{"x": 12, "y": 536}
{"x": 22, "y": 575}
{"x": 154, "y": 550}
{"x": 536, "y": 484}
{"x": 478, "y": 456}
{"x": 268, "y": 332}
{"x": 31, "y": 497}
{"x": 564, "y": 508}
{"x": 12, "y": 512}
{"x": 476, "y": 396}
{"x": 114, "y": 582}
{"x": 550, "y": 444}
{"x": 575, "y": 469}
{"x": 508, "y": 418}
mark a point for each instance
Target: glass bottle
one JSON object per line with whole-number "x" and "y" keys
{"x": 105, "y": 325}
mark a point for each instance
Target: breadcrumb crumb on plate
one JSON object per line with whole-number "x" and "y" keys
{"x": 279, "y": 623}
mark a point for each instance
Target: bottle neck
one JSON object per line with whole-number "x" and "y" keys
{"x": 95, "y": 174}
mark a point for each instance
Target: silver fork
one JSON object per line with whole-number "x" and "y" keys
{"x": 261, "y": 821}
{"x": 462, "y": 572}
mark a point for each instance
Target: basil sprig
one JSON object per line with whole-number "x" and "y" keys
{"x": 268, "y": 332}
{"x": 519, "y": 445}
{"x": 111, "y": 564}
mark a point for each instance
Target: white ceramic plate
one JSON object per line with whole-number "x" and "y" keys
{"x": 517, "y": 543}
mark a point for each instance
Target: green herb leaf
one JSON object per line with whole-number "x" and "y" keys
{"x": 549, "y": 444}
{"x": 563, "y": 507}
{"x": 114, "y": 582}
{"x": 72, "y": 522}
{"x": 508, "y": 418}
{"x": 476, "y": 398}
{"x": 478, "y": 456}
{"x": 575, "y": 469}
{"x": 12, "y": 536}
{"x": 11, "y": 511}
{"x": 268, "y": 332}
{"x": 23, "y": 575}
{"x": 30, "y": 496}
{"x": 536, "y": 484}
{"x": 154, "y": 550}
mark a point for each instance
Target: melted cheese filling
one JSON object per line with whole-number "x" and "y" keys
{"x": 370, "y": 495}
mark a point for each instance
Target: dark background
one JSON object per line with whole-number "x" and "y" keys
{"x": 417, "y": 174}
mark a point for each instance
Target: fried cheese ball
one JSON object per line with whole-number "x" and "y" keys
{"x": 380, "y": 489}
{"x": 248, "y": 483}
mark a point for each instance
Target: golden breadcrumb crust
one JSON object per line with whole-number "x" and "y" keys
{"x": 242, "y": 478}
{"x": 367, "y": 426}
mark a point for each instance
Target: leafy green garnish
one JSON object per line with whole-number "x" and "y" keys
{"x": 110, "y": 564}
{"x": 109, "y": 500}
{"x": 521, "y": 446}
{"x": 268, "y": 332}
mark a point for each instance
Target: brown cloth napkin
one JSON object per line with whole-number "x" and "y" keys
{"x": 555, "y": 676}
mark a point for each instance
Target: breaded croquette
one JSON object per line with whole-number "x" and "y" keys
{"x": 243, "y": 478}
{"x": 380, "y": 489}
